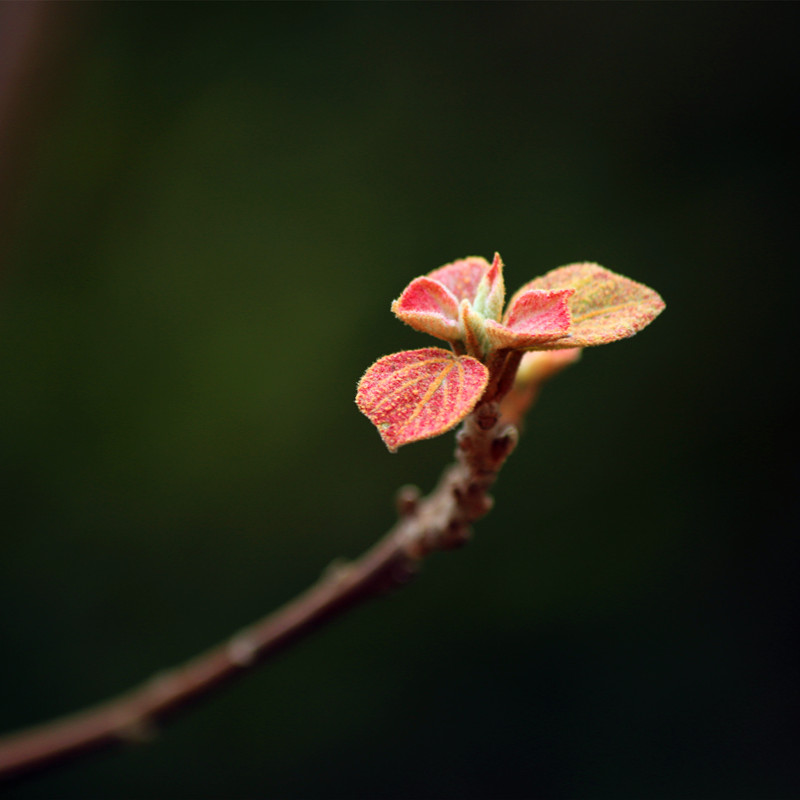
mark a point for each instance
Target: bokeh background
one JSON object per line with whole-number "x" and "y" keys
{"x": 207, "y": 210}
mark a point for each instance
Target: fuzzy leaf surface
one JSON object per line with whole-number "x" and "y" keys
{"x": 428, "y": 306}
{"x": 533, "y": 317}
{"x": 491, "y": 292}
{"x": 462, "y": 277}
{"x": 605, "y": 307}
{"x": 417, "y": 394}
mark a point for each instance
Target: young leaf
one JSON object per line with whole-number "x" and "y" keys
{"x": 462, "y": 277}
{"x": 417, "y": 394}
{"x": 605, "y": 306}
{"x": 491, "y": 292}
{"x": 429, "y": 307}
{"x": 533, "y": 318}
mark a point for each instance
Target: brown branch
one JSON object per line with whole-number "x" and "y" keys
{"x": 440, "y": 521}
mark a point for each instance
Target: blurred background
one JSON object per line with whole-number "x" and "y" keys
{"x": 206, "y": 212}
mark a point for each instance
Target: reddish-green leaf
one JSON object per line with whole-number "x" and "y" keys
{"x": 605, "y": 306}
{"x": 417, "y": 394}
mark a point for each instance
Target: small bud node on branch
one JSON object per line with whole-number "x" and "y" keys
{"x": 503, "y": 445}
{"x": 242, "y": 650}
{"x": 407, "y": 500}
{"x": 488, "y": 414}
{"x": 138, "y": 732}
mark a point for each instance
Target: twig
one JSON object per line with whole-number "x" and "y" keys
{"x": 440, "y": 521}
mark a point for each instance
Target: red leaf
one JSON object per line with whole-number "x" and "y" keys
{"x": 462, "y": 277}
{"x": 533, "y": 318}
{"x": 429, "y": 307}
{"x": 417, "y": 394}
{"x": 605, "y": 307}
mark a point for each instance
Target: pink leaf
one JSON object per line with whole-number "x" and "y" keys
{"x": 605, "y": 306}
{"x": 428, "y": 306}
{"x": 417, "y": 394}
{"x": 462, "y": 277}
{"x": 534, "y": 317}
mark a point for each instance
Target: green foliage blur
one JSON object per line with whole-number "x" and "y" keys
{"x": 217, "y": 205}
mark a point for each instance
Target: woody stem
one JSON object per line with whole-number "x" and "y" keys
{"x": 502, "y": 366}
{"x": 440, "y": 521}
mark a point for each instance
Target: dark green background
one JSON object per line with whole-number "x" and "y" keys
{"x": 220, "y": 203}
